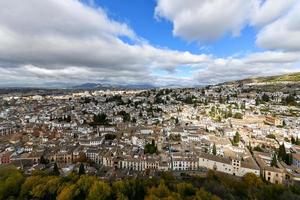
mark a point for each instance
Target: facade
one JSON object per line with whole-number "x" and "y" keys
{"x": 273, "y": 121}
{"x": 227, "y": 165}
{"x": 296, "y": 160}
{"x": 273, "y": 174}
{"x": 5, "y": 157}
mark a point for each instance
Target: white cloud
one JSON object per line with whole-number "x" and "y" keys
{"x": 277, "y": 21}
{"x": 251, "y": 65}
{"x": 284, "y": 33}
{"x": 53, "y": 36}
{"x": 267, "y": 11}
{"x": 204, "y": 20}
{"x": 66, "y": 41}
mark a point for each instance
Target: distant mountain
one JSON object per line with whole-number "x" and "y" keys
{"x": 87, "y": 86}
{"x": 108, "y": 86}
{"x": 137, "y": 86}
{"x": 291, "y": 77}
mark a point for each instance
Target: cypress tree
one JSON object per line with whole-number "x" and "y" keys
{"x": 214, "y": 149}
{"x": 81, "y": 170}
{"x": 282, "y": 153}
{"x": 274, "y": 161}
{"x": 55, "y": 171}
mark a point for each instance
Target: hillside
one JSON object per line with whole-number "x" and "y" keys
{"x": 291, "y": 77}
{"x": 40, "y": 185}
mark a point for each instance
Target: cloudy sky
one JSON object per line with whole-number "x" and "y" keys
{"x": 160, "y": 42}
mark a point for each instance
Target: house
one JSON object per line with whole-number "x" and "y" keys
{"x": 233, "y": 166}
{"x": 275, "y": 121}
{"x": 5, "y": 157}
{"x": 273, "y": 174}
{"x": 296, "y": 160}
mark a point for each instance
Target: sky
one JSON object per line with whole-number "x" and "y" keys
{"x": 186, "y": 43}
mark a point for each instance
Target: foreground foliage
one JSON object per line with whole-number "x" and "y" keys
{"x": 15, "y": 185}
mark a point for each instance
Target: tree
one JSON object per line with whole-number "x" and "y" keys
{"x": 176, "y": 120}
{"x": 293, "y": 141}
{"x": 238, "y": 116}
{"x": 126, "y": 116}
{"x": 265, "y": 98}
{"x": 288, "y": 159}
{"x": 229, "y": 113}
{"x": 69, "y": 192}
{"x": 282, "y": 152}
{"x": 43, "y": 160}
{"x": 221, "y": 99}
{"x": 161, "y": 192}
{"x": 274, "y": 161}
{"x": 257, "y": 101}
{"x": 133, "y": 120}
{"x": 236, "y": 138}
{"x": 250, "y": 148}
{"x": 214, "y": 149}
{"x": 271, "y": 136}
{"x": 150, "y": 148}
{"x": 289, "y": 100}
{"x": 243, "y": 106}
{"x": 297, "y": 141}
{"x": 100, "y": 119}
{"x": 227, "y": 98}
{"x": 201, "y": 194}
{"x": 81, "y": 170}
{"x": 99, "y": 190}
{"x": 55, "y": 171}
{"x": 185, "y": 190}
{"x": 10, "y": 182}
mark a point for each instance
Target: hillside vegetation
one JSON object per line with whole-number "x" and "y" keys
{"x": 40, "y": 185}
{"x": 294, "y": 77}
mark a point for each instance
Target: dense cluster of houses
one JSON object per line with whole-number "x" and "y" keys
{"x": 221, "y": 128}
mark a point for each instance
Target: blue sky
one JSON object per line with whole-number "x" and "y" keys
{"x": 139, "y": 15}
{"x": 160, "y": 42}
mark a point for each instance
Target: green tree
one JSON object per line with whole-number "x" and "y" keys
{"x": 161, "y": 192}
{"x": 43, "y": 160}
{"x": 201, "y": 194}
{"x": 229, "y": 113}
{"x": 214, "y": 151}
{"x": 282, "y": 152}
{"x": 288, "y": 159}
{"x": 100, "y": 119}
{"x": 271, "y": 136}
{"x": 238, "y": 115}
{"x": 236, "y": 138}
{"x": 274, "y": 161}
{"x": 150, "y": 148}
{"x": 69, "y": 192}
{"x": 290, "y": 100}
{"x": 99, "y": 191}
{"x": 81, "y": 170}
{"x": 11, "y": 180}
{"x": 293, "y": 141}
{"x": 55, "y": 170}
{"x": 185, "y": 190}
{"x": 265, "y": 98}
{"x": 257, "y": 101}
{"x": 176, "y": 120}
